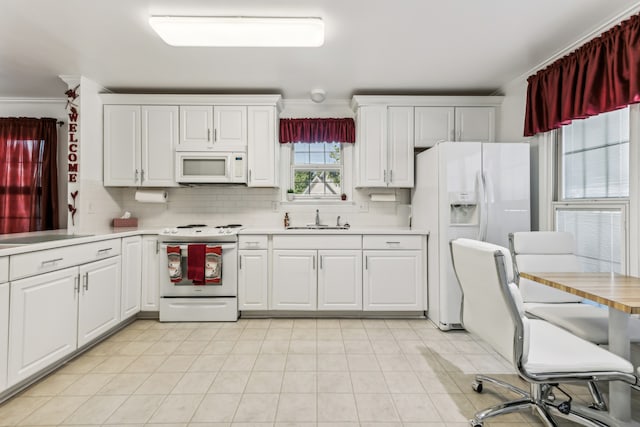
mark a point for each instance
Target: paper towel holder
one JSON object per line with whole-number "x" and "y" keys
{"x": 382, "y": 197}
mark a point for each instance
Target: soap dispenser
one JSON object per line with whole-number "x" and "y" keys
{"x": 286, "y": 220}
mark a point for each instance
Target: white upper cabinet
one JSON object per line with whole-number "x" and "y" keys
{"x": 220, "y": 127}
{"x": 385, "y": 144}
{"x": 121, "y": 145}
{"x": 159, "y": 139}
{"x": 436, "y": 124}
{"x": 475, "y": 124}
{"x": 262, "y": 147}
{"x": 139, "y": 143}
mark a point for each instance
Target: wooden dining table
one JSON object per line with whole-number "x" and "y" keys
{"x": 621, "y": 294}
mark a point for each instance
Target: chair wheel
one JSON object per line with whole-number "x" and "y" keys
{"x": 476, "y": 423}
{"x": 477, "y": 386}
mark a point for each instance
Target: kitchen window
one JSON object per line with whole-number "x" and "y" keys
{"x": 317, "y": 170}
{"x": 593, "y": 189}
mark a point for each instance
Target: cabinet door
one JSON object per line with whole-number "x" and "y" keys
{"x": 392, "y": 280}
{"x": 400, "y": 142}
{"x": 372, "y": 146}
{"x": 131, "y": 276}
{"x": 294, "y": 280}
{"x": 340, "y": 280}
{"x": 432, "y": 125}
{"x": 196, "y": 128}
{"x": 230, "y": 127}
{"x": 43, "y": 317}
{"x": 253, "y": 275}
{"x": 261, "y": 148}
{"x": 121, "y": 145}
{"x": 99, "y": 307}
{"x": 159, "y": 140}
{"x": 4, "y": 333}
{"x": 475, "y": 123}
{"x": 150, "y": 270}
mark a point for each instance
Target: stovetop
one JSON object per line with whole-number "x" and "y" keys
{"x": 202, "y": 231}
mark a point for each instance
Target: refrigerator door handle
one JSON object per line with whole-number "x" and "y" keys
{"x": 484, "y": 225}
{"x": 480, "y": 203}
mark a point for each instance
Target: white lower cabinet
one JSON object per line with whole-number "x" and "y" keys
{"x": 131, "y": 276}
{"x": 150, "y": 279}
{"x": 294, "y": 280}
{"x": 99, "y": 307}
{"x": 4, "y": 333}
{"x": 253, "y": 277}
{"x": 43, "y": 319}
{"x": 340, "y": 280}
{"x": 392, "y": 280}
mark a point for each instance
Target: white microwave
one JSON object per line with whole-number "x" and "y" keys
{"x": 211, "y": 167}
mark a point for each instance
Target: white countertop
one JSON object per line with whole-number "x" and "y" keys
{"x": 352, "y": 230}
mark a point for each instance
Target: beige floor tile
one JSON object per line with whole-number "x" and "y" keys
{"x": 301, "y": 362}
{"x": 415, "y": 408}
{"x": 368, "y": 382}
{"x": 413, "y": 347}
{"x": 190, "y": 347}
{"x": 270, "y": 362}
{"x": 106, "y": 348}
{"x": 257, "y": 407}
{"x": 123, "y": 384}
{"x": 96, "y": 410}
{"x": 201, "y": 334}
{"x": 247, "y": 346}
{"x": 304, "y": 334}
{"x": 354, "y": 334}
{"x": 439, "y": 383}
{"x": 281, "y": 324}
{"x": 376, "y": 407}
{"x": 258, "y": 323}
{"x": 54, "y": 411}
{"x": 334, "y": 382}
{"x": 358, "y": 347}
{"x": 393, "y": 362}
{"x": 127, "y": 334}
{"x": 264, "y": 382}
{"x": 336, "y": 407}
{"x": 230, "y": 382}
{"x": 135, "y": 348}
{"x": 275, "y": 347}
{"x": 297, "y": 407}
{"x": 253, "y": 334}
{"x": 162, "y": 348}
{"x": 177, "y": 408}
{"x": 194, "y": 383}
{"x": 88, "y": 385}
{"x": 351, "y": 324}
{"x": 82, "y": 364}
{"x": 453, "y": 407}
{"x": 403, "y": 382}
{"x": 302, "y": 347}
{"x": 327, "y": 324}
{"x": 114, "y": 364}
{"x": 404, "y": 334}
{"x": 332, "y": 362}
{"x": 362, "y": 362}
{"x": 160, "y": 383}
{"x": 379, "y": 334}
{"x": 374, "y": 324}
{"x": 305, "y": 323}
{"x": 329, "y": 334}
{"x": 136, "y": 409}
{"x": 299, "y": 382}
{"x": 385, "y": 346}
{"x": 229, "y": 334}
{"x": 207, "y": 363}
{"x": 177, "y": 334}
{"x": 18, "y": 408}
{"x": 330, "y": 347}
{"x": 218, "y": 347}
{"x": 278, "y": 334}
{"x": 239, "y": 362}
{"x": 52, "y": 385}
{"x": 145, "y": 363}
{"x": 216, "y": 408}
{"x": 180, "y": 363}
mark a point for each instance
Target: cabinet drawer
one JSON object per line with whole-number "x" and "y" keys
{"x": 39, "y": 262}
{"x": 4, "y": 269}
{"x": 252, "y": 242}
{"x": 318, "y": 241}
{"x": 391, "y": 241}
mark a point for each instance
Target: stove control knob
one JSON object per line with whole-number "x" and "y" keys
{"x": 165, "y": 231}
{"x": 173, "y": 231}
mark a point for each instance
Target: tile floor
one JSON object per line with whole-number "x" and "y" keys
{"x": 270, "y": 372}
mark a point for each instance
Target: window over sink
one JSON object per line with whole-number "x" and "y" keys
{"x": 317, "y": 170}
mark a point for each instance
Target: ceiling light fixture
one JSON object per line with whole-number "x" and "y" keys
{"x": 229, "y": 31}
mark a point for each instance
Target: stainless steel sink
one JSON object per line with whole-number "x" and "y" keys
{"x": 40, "y": 239}
{"x": 319, "y": 227}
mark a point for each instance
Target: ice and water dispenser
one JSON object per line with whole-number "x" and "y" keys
{"x": 463, "y": 208}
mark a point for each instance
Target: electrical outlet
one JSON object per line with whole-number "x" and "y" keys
{"x": 363, "y": 207}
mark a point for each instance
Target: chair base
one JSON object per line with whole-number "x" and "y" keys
{"x": 543, "y": 402}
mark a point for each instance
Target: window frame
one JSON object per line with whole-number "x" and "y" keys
{"x": 316, "y": 167}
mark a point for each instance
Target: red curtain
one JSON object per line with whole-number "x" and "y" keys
{"x": 28, "y": 175}
{"x": 317, "y": 130}
{"x": 602, "y": 75}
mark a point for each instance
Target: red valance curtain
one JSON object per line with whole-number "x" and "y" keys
{"x": 317, "y": 130}
{"x": 28, "y": 175}
{"x": 603, "y": 75}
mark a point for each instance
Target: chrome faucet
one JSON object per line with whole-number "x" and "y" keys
{"x": 338, "y": 221}
{"x": 317, "y": 217}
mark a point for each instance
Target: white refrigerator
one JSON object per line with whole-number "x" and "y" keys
{"x": 466, "y": 189}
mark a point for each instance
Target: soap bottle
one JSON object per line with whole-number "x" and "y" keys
{"x": 286, "y": 219}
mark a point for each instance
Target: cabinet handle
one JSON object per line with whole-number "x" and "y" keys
{"x": 452, "y": 134}
{"x": 215, "y": 135}
{"x": 85, "y": 281}
{"x": 240, "y": 262}
{"x": 366, "y": 263}
{"x": 390, "y": 176}
{"x": 157, "y": 246}
{"x": 141, "y": 175}
{"x": 76, "y": 285}
{"x": 208, "y": 134}
{"x": 314, "y": 262}
{"x": 321, "y": 257}
{"x": 104, "y": 251}
{"x": 249, "y": 175}
{"x": 385, "y": 175}
{"x": 51, "y": 261}
{"x": 136, "y": 178}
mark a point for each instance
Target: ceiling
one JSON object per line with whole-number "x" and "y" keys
{"x": 371, "y": 46}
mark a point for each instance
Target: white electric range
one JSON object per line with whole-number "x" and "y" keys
{"x": 182, "y": 299}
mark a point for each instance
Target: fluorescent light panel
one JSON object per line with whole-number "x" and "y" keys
{"x": 239, "y": 31}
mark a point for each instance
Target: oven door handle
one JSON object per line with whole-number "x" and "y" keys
{"x": 184, "y": 246}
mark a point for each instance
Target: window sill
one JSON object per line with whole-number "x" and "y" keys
{"x": 302, "y": 202}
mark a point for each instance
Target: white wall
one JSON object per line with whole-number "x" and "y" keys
{"x": 39, "y": 108}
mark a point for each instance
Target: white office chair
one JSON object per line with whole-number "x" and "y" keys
{"x": 552, "y": 251}
{"x": 543, "y": 354}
